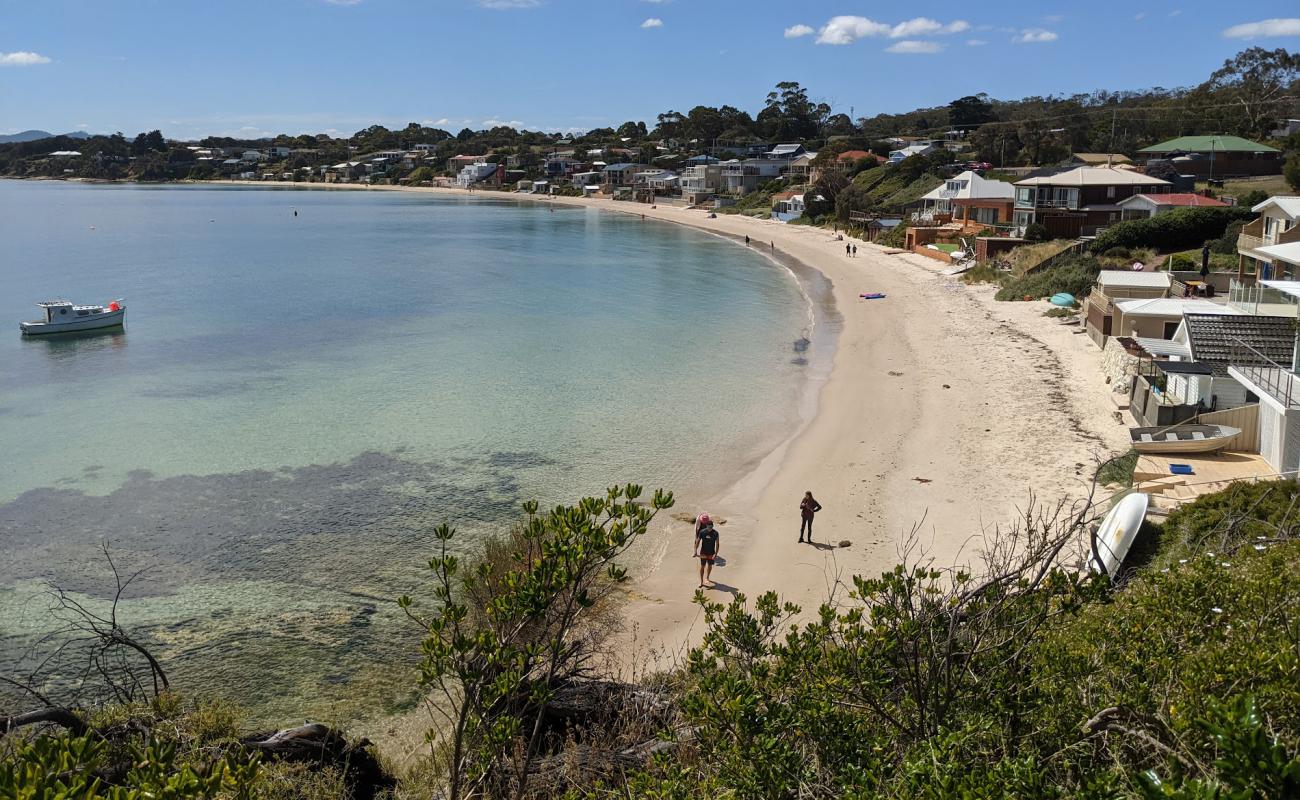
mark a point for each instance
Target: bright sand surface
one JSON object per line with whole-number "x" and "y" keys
{"x": 944, "y": 412}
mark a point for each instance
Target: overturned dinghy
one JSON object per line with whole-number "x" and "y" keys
{"x": 1182, "y": 438}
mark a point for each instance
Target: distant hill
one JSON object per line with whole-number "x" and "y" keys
{"x": 33, "y": 135}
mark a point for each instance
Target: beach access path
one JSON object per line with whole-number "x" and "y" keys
{"x": 945, "y": 414}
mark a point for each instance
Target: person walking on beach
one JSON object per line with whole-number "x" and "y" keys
{"x": 855, "y": 251}
{"x": 707, "y": 546}
{"x": 848, "y": 249}
{"x": 807, "y": 508}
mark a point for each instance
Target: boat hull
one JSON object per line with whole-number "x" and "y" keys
{"x": 109, "y": 319}
{"x": 1117, "y": 532}
{"x": 1175, "y": 440}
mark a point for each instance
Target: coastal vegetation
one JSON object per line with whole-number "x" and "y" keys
{"x": 1175, "y": 230}
{"x": 1020, "y": 677}
{"x": 1074, "y": 274}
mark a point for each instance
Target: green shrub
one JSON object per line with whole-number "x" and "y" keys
{"x": 1074, "y": 274}
{"x": 1175, "y": 230}
{"x": 1036, "y": 232}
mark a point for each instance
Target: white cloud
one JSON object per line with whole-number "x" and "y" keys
{"x": 1175, "y": 12}
{"x": 656, "y": 2}
{"x": 914, "y": 46}
{"x": 1269, "y": 27}
{"x": 507, "y": 5}
{"x": 653, "y": 22}
{"x": 795, "y": 31}
{"x": 22, "y": 58}
{"x": 976, "y": 42}
{"x": 81, "y": 126}
{"x": 344, "y": 2}
{"x": 848, "y": 29}
{"x": 496, "y": 123}
{"x": 1141, "y": 15}
{"x": 1035, "y": 36}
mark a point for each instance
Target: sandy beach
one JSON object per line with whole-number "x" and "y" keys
{"x": 945, "y": 412}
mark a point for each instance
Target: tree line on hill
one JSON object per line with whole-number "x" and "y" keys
{"x": 1246, "y": 97}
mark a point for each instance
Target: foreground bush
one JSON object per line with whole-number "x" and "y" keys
{"x": 1180, "y": 229}
{"x": 1073, "y": 274}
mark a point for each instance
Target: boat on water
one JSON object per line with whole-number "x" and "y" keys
{"x": 62, "y": 316}
{"x": 1182, "y": 438}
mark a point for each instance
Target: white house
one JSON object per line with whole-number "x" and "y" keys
{"x": 252, "y": 155}
{"x": 980, "y": 195}
{"x": 475, "y": 173}
{"x": 914, "y": 149}
{"x": 1142, "y": 205}
{"x": 1276, "y": 225}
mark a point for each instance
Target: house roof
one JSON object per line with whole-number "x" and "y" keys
{"x": 1287, "y": 204}
{"x": 1124, "y": 277}
{"x": 854, "y": 155}
{"x": 1094, "y": 176}
{"x": 1204, "y": 144}
{"x": 783, "y": 149}
{"x": 1171, "y": 307}
{"x": 1102, "y": 158}
{"x": 1290, "y": 252}
{"x": 1181, "y": 199}
{"x": 977, "y": 188}
{"x": 1213, "y": 339}
{"x": 1184, "y": 367}
{"x": 1286, "y": 287}
{"x": 1163, "y": 347}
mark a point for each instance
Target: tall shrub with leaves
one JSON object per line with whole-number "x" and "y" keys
{"x": 504, "y": 633}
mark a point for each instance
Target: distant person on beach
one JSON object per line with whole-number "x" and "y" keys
{"x": 855, "y": 251}
{"x": 808, "y": 506}
{"x": 746, "y": 238}
{"x": 848, "y": 249}
{"x": 707, "y": 545}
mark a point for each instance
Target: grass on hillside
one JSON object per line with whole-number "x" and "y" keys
{"x": 1028, "y": 256}
{"x": 1236, "y": 187}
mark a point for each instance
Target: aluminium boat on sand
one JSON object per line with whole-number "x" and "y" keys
{"x": 1182, "y": 438}
{"x": 62, "y": 316}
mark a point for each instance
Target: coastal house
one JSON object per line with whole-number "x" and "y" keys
{"x": 787, "y": 205}
{"x": 785, "y": 152}
{"x": 656, "y": 180}
{"x": 1215, "y": 156}
{"x": 1159, "y": 317}
{"x": 250, "y": 156}
{"x": 622, "y": 174}
{"x": 1276, "y": 226}
{"x": 1079, "y": 201}
{"x": 1142, "y": 206}
{"x": 969, "y": 197}
{"x": 701, "y": 183}
{"x": 801, "y": 169}
{"x": 1270, "y": 298}
{"x": 921, "y": 148}
{"x": 558, "y": 167}
{"x": 581, "y": 179}
{"x": 743, "y": 177}
{"x": 1114, "y": 285}
{"x": 459, "y": 162}
{"x": 879, "y": 226}
{"x": 1199, "y": 369}
{"x": 481, "y": 172}
{"x": 278, "y": 151}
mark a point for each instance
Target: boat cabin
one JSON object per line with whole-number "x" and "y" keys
{"x": 64, "y": 311}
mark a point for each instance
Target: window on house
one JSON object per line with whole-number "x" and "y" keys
{"x": 1110, "y": 191}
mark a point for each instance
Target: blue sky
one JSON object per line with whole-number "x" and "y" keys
{"x": 309, "y": 66}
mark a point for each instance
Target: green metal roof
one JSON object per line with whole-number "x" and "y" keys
{"x": 1204, "y": 144}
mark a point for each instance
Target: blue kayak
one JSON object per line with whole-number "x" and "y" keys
{"x": 1063, "y": 299}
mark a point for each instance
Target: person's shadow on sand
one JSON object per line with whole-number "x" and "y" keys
{"x": 822, "y": 546}
{"x": 721, "y": 587}
{"x": 719, "y": 562}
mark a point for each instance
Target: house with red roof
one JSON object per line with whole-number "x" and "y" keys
{"x": 1142, "y": 206}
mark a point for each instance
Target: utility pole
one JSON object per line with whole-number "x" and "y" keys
{"x": 1110, "y": 148}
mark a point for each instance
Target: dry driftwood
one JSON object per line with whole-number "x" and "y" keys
{"x": 319, "y": 744}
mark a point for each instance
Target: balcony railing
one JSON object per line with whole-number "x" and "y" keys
{"x": 1279, "y": 381}
{"x": 1248, "y": 242}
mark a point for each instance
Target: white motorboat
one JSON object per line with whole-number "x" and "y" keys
{"x": 61, "y": 316}
{"x": 1182, "y": 438}
{"x": 1117, "y": 532}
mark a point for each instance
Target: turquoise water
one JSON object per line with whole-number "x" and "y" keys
{"x": 296, "y": 400}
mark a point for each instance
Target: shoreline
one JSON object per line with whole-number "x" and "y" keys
{"x": 942, "y": 415}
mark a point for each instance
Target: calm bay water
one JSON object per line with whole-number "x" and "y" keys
{"x": 296, "y": 400}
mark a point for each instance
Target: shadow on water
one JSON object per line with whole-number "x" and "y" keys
{"x": 65, "y": 346}
{"x": 272, "y": 586}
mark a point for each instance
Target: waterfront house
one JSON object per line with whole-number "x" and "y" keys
{"x": 459, "y": 162}
{"x": 622, "y": 174}
{"x": 801, "y": 169}
{"x": 481, "y": 172}
{"x": 278, "y": 151}
{"x": 1112, "y": 286}
{"x": 701, "y": 183}
{"x": 249, "y": 156}
{"x": 1216, "y": 156}
{"x": 1276, "y": 225}
{"x": 969, "y": 197}
{"x": 743, "y": 177}
{"x": 875, "y": 228}
{"x": 581, "y": 179}
{"x": 787, "y": 206}
{"x": 1141, "y": 206}
{"x": 656, "y": 180}
{"x": 1159, "y": 317}
{"x": 1079, "y": 201}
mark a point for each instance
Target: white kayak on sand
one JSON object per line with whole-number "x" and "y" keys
{"x": 1118, "y": 530}
{"x": 61, "y": 316}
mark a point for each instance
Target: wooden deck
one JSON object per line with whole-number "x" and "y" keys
{"x": 1211, "y": 473}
